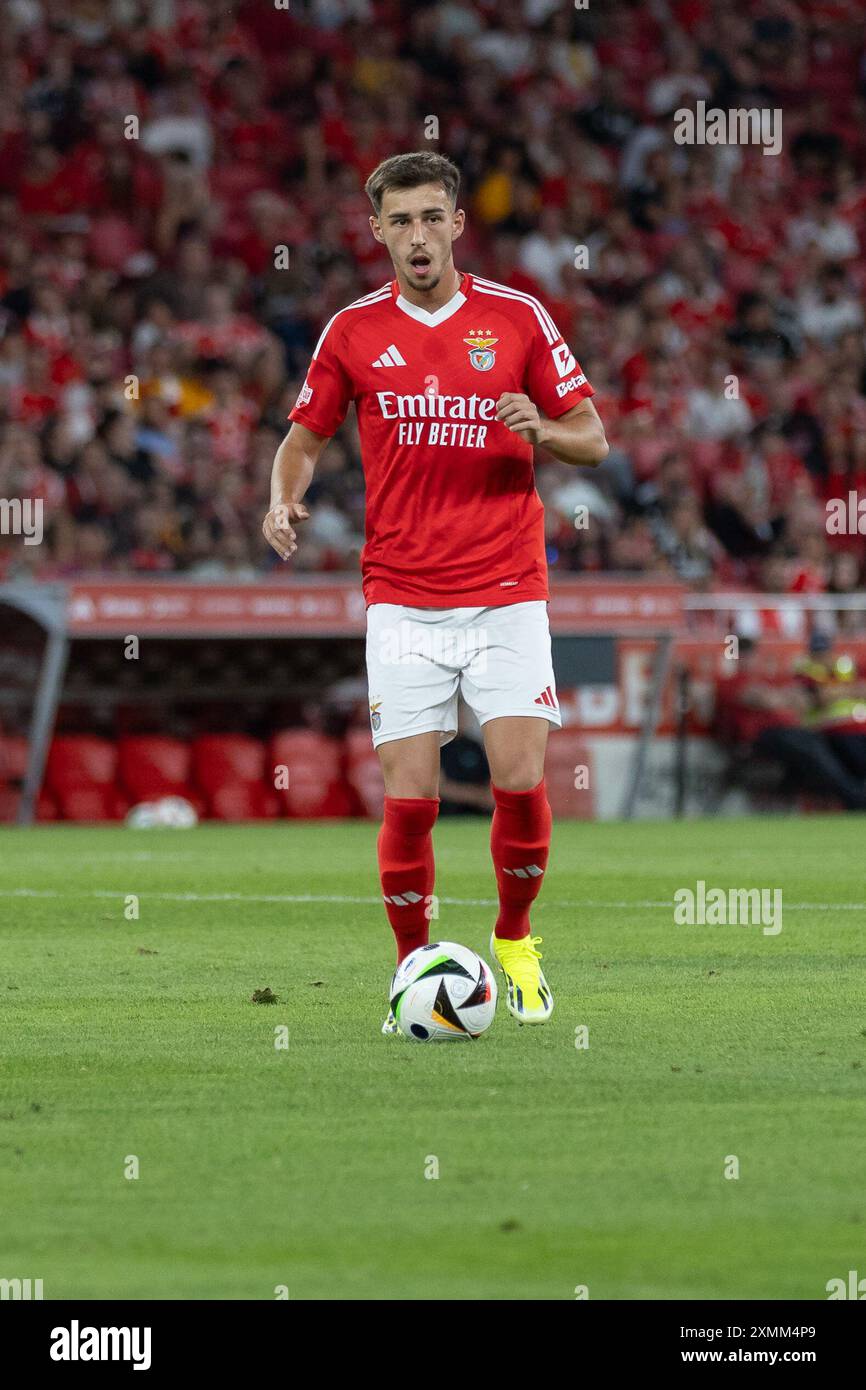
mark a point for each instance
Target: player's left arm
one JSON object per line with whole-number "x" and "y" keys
{"x": 554, "y": 410}
{"x": 577, "y": 436}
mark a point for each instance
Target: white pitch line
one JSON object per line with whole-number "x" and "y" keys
{"x": 373, "y": 902}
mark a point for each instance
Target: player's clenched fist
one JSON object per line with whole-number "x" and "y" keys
{"x": 278, "y": 529}
{"x": 519, "y": 415}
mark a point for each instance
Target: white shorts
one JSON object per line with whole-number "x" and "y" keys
{"x": 418, "y": 659}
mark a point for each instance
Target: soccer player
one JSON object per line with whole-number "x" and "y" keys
{"x": 455, "y": 380}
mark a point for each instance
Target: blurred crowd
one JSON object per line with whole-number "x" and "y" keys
{"x": 182, "y": 209}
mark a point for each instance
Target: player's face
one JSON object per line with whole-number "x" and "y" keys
{"x": 418, "y": 226}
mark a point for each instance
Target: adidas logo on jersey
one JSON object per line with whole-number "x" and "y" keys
{"x": 391, "y": 357}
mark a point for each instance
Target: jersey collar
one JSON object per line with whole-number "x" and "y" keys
{"x": 439, "y": 315}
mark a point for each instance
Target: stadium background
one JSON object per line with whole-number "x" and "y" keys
{"x": 132, "y": 965}
{"x": 181, "y": 210}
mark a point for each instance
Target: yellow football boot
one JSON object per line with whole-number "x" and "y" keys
{"x": 528, "y": 996}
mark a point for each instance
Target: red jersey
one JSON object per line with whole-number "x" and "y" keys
{"x": 453, "y": 518}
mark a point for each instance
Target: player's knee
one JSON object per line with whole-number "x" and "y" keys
{"x": 410, "y": 771}
{"x": 405, "y": 779}
{"x": 519, "y": 777}
{"x": 404, "y": 786}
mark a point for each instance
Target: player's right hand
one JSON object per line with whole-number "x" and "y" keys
{"x": 278, "y": 530}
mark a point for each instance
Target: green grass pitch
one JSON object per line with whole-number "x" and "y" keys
{"x": 558, "y": 1167}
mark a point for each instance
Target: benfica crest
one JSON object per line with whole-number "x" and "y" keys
{"x": 482, "y": 357}
{"x": 375, "y": 716}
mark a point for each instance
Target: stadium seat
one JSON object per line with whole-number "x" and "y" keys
{"x": 318, "y": 789}
{"x": 13, "y": 765}
{"x": 233, "y": 773}
{"x": 46, "y": 806}
{"x": 94, "y": 803}
{"x": 236, "y": 801}
{"x": 364, "y": 772}
{"x": 152, "y": 765}
{"x": 80, "y": 783}
{"x": 79, "y": 761}
{"x": 13, "y": 758}
{"x": 566, "y": 752}
{"x": 220, "y": 760}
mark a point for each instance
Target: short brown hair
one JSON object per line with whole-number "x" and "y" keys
{"x": 409, "y": 171}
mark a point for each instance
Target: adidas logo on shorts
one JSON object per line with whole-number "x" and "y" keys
{"x": 546, "y": 697}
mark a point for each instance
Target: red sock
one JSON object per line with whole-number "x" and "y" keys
{"x": 406, "y": 867}
{"x": 520, "y": 844}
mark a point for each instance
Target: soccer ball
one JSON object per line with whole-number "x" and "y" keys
{"x": 173, "y": 811}
{"x": 176, "y": 812}
{"x": 443, "y": 993}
